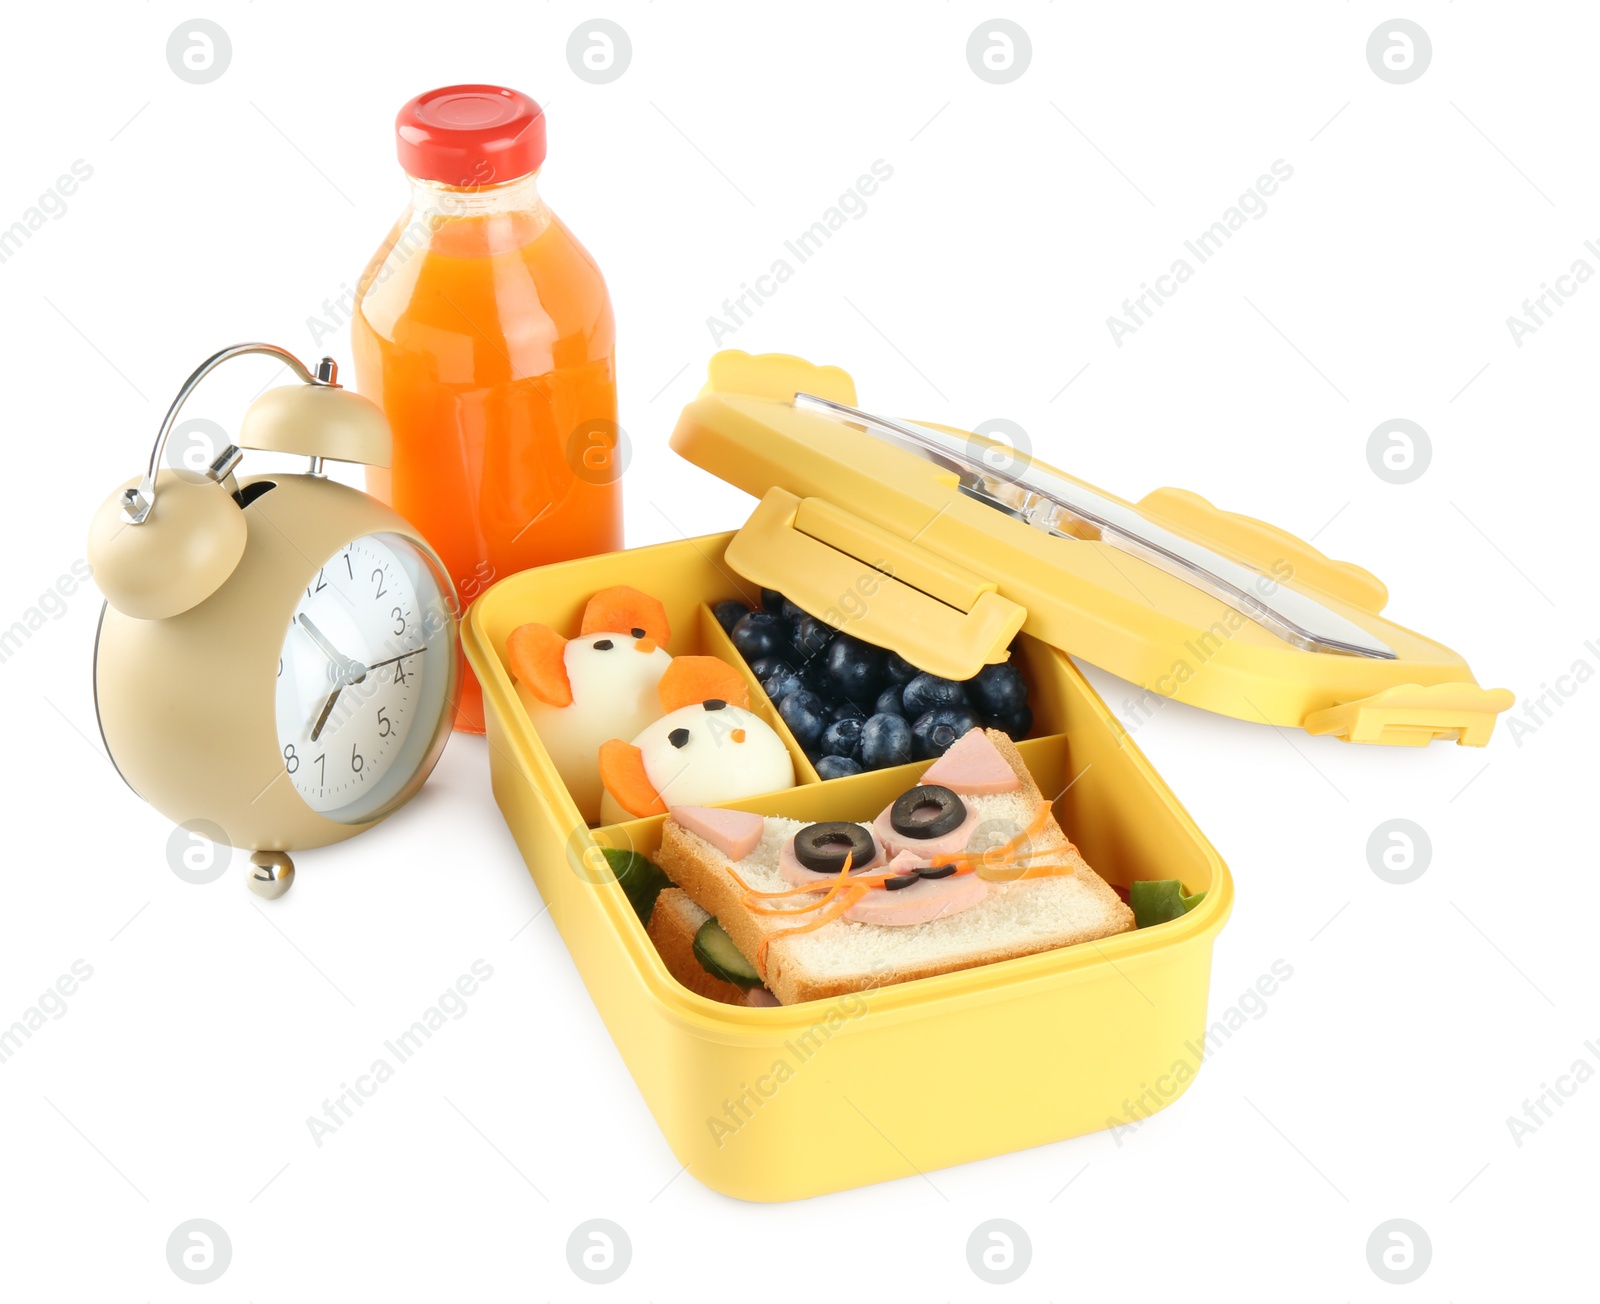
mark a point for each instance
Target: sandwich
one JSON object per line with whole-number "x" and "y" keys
{"x": 699, "y": 955}
{"x": 966, "y": 868}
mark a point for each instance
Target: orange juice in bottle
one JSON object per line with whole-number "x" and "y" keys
{"x": 484, "y": 331}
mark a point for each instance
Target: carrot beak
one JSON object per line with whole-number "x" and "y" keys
{"x": 737, "y": 735}
{"x": 645, "y": 645}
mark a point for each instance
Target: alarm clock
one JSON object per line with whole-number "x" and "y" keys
{"x": 277, "y": 660}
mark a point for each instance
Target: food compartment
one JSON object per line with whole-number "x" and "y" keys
{"x": 1080, "y": 803}
{"x": 850, "y": 702}
{"x": 695, "y": 632}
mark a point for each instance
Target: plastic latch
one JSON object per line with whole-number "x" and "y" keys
{"x": 1413, "y": 715}
{"x": 876, "y": 586}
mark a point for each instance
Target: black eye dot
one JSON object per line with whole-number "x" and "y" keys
{"x": 679, "y": 737}
{"x": 637, "y": 633}
{"x": 604, "y": 645}
{"x": 714, "y": 704}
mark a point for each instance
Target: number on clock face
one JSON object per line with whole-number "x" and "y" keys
{"x": 361, "y": 668}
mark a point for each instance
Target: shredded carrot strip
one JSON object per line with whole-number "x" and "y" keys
{"x": 752, "y": 895}
{"x": 1031, "y": 871}
{"x": 1010, "y": 847}
{"x": 864, "y": 882}
{"x": 1008, "y": 861}
{"x": 852, "y": 895}
{"x": 839, "y": 882}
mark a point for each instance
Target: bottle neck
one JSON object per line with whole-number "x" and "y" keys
{"x": 435, "y": 197}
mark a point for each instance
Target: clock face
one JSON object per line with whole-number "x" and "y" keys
{"x": 365, "y": 678}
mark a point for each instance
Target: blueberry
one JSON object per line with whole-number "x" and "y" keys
{"x": 855, "y": 668}
{"x": 885, "y": 741}
{"x": 842, "y": 737}
{"x": 926, "y": 691}
{"x": 998, "y": 689}
{"x": 845, "y": 711}
{"x": 802, "y": 712}
{"x": 781, "y": 682}
{"x": 760, "y": 634}
{"x": 897, "y": 670}
{"x": 935, "y": 730}
{"x": 730, "y": 613}
{"x": 810, "y": 637}
{"x": 837, "y": 767}
{"x": 790, "y": 612}
{"x": 761, "y": 667}
{"x": 773, "y": 601}
{"x": 815, "y": 675}
{"x": 891, "y": 701}
{"x": 1015, "y": 724}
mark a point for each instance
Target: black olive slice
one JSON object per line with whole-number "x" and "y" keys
{"x": 937, "y": 871}
{"x": 679, "y": 737}
{"x": 603, "y": 645}
{"x": 927, "y": 811}
{"x": 822, "y": 848}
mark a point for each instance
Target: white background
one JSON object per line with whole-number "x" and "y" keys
{"x": 1378, "y": 1083}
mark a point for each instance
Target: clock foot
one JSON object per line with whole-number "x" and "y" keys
{"x": 271, "y": 874}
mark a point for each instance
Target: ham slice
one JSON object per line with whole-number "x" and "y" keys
{"x": 735, "y": 833}
{"x": 924, "y": 901}
{"x": 905, "y": 862}
{"x": 973, "y": 764}
{"x": 894, "y": 842}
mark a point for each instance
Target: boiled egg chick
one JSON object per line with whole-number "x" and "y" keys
{"x": 613, "y": 679}
{"x": 702, "y": 754}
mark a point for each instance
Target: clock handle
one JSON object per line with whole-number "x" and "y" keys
{"x": 139, "y": 499}
{"x": 154, "y": 567}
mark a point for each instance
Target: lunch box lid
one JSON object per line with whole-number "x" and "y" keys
{"x": 942, "y": 544}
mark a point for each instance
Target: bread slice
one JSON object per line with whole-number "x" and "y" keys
{"x": 1014, "y": 919}
{"x": 673, "y": 924}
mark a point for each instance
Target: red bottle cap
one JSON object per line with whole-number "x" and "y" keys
{"x": 470, "y": 135}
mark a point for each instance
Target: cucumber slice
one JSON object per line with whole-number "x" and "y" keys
{"x": 720, "y": 958}
{"x": 641, "y": 879}
{"x": 1155, "y": 901}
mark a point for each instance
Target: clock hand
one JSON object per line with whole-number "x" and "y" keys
{"x": 416, "y": 651}
{"x": 345, "y": 664}
{"x": 352, "y": 672}
{"x": 327, "y": 710}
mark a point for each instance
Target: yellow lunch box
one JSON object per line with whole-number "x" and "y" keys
{"x": 786, "y": 1102}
